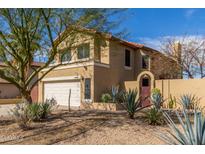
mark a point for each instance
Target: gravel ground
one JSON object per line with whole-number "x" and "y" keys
{"x": 120, "y": 132}
{"x": 5, "y": 109}
{"x": 83, "y": 127}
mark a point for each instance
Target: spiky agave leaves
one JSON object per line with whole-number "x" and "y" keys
{"x": 115, "y": 92}
{"x": 189, "y": 101}
{"x": 132, "y": 103}
{"x": 189, "y": 134}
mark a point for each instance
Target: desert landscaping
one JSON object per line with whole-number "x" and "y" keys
{"x": 83, "y": 127}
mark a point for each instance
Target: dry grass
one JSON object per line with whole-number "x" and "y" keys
{"x": 83, "y": 127}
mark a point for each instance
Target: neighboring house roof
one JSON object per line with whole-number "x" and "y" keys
{"x": 37, "y": 64}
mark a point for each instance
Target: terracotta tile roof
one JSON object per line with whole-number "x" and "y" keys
{"x": 137, "y": 45}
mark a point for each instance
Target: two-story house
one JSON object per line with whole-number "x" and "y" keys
{"x": 93, "y": 62}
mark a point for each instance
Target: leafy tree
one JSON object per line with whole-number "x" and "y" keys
{"x": 192, "y": 59}
{"x": 29, "y": 33}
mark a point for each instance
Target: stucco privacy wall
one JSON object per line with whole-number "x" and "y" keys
{"x": 178, "y": 87}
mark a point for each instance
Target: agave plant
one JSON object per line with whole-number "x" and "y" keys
{"x": 115, "y": 91}
{"x": 131, "y": 103}
{"x": 189, "y": 101}
{"x": 189, "y": 134}
{"x": 156, "y": 98}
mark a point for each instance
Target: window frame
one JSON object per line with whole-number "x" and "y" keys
{"x": 87, "y": 95}
{"x": 66, "y": 51}
{"x": 148, "y": 63}
{"x": 84, "y": 52}
{"x": 127, "y": 57}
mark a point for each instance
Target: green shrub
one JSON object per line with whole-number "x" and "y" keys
{"x": 24, "y": 112}
{"x": 131, "y": 103}
{"x": 189, "y": 101}
{"x": 20, "y": 114}
{"x": 154, "y": 116}
{"x": 156, "y": 91}
{"x": 45, "y": 109}
{"x": 34, "y": 112}
{"x": 190, "y": 134}
{"x": 172, "y": 102}
{"x": 39, "y": 111}
{"x": 156, "y": 98}
{"x": 106, "y": 98}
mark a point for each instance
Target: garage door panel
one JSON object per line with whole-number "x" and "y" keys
{"x": 60, "y": 92}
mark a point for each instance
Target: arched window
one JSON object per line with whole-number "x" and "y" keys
{"x": 145, "y": 82}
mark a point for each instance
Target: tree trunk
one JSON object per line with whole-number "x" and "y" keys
{"x": 26, "y": 95}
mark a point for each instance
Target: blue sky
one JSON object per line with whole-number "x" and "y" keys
{"x": 148, "y": 25}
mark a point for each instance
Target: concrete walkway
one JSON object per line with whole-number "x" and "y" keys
{"x": 5, "y": 110}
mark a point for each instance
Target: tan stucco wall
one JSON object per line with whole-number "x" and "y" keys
{"x": 83, "y": 71}
{"x": 179, "y": 87}
{"x": 132, "y": 85}
{"x": 105, "y": 78}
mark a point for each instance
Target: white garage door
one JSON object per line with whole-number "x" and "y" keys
{"x": 60, "y": 92}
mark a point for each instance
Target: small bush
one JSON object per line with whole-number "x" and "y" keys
{"x": 106, "y": 98}
{"x": 34, "y": 112}
{"x": 45, "y": 109}
{"x": 156, "y": 98}
{"x": 20, "y": 114}
{"x": 154, "y": 117}
{"x": 24, "y": 112}
{"x": 39, "y": 111}
{"x": 172, "y": 102}
{"x": 156, "y": 91}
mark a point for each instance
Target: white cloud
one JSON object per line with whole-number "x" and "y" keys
{"x": 157, "y": 42}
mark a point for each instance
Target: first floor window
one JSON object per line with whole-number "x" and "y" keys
{"x": 84, "y": 51}
{"x": 87, "y": 88}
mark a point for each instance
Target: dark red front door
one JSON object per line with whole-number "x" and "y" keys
{"x": 145, "y": 91}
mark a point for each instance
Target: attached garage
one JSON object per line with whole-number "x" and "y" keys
{"x": 61, "y": 91}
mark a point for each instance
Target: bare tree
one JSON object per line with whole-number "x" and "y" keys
{"x": 189, "y": 51}
{"x": 29, "y": 33}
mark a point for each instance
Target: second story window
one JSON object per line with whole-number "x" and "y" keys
{"x": 66, "y": 56}
{"x": 145, "y": 62}
{"x": 127, "y": 58}
{"x": 84, "y": 51}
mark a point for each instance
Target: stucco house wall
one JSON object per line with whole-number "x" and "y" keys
{"x": 83, "y": 70}
{"x": 161, "y": 67}
{"x": 106, "y": 64}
